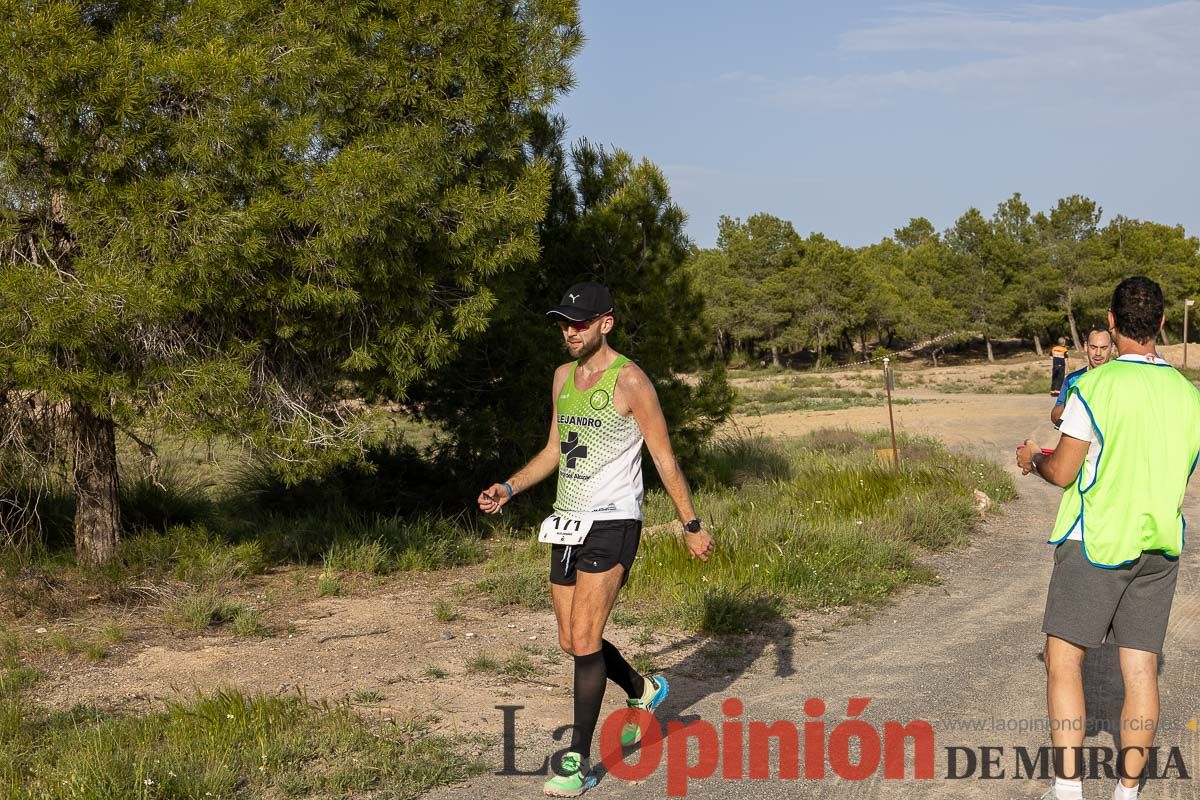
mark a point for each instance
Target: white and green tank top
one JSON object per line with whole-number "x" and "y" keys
{"x": 600, "y": 451}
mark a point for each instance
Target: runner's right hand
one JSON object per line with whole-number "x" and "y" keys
{"x": 699, "y": 544}
{"x": 1024, "y": 457}
{"x": 492, "y": 499}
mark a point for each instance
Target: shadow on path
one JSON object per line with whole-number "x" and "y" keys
{"x": 713, "y": 667}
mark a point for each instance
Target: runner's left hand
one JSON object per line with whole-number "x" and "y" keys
{"x": 699, "y": 544}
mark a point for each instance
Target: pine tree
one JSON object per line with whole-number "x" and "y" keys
{"x": 762, "y": 255}
{"x": 1067, "y": 242}
{"x": 611, "y": 219}
{"x": 228, "y": 217}
{"x": 981, "y": 280}
{"x": 1164, "y": 253}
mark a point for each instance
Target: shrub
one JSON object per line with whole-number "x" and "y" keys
{"x": 328, "y": 585}
{"x": 735, "y": 459}
{"x": 370, "y": 556}
{"x": 199, "y": 609}
{"x": 171, "y": 498}
{"x": 191, "y": 554}
{"x": 723, "y": 611}
{"x": 516, "y": 574}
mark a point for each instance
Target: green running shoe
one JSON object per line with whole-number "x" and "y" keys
{"x": 576, "y": 780}
{"x": 657, "y": 689}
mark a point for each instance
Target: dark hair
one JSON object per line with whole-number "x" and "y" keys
{"x": 1137, "y": 307}
{"x": 1098, "y": 329}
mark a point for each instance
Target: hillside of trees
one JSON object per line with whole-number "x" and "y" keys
{"x": 772, "y": 294}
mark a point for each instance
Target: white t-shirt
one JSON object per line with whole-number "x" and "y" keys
{"x": 1077, "y": 423}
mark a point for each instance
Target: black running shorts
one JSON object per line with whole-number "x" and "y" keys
{"x": 608, "y": 543}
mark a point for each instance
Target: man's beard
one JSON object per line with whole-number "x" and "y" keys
{"x": 587, "y": 350}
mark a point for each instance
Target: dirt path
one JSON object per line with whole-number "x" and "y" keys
{"x": 986, "y": 423}
{"x": 964, "y": 653}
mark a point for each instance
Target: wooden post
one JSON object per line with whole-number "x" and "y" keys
{"x": 887, "y": 382}
{"x": 1186, "y": 305}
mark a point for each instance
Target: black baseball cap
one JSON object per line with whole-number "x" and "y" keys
{"x": 583, "y": 301}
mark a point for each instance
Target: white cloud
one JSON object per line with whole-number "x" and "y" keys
{"x": 738, "y": 76}
{"x": 1145, "y": 59}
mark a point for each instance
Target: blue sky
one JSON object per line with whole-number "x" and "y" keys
{"x": 851, "y": 117}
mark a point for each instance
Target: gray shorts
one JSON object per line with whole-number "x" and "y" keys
{"x": 1129, "y": 605}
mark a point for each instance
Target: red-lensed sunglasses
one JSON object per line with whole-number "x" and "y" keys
{"x": 582, "y": 325}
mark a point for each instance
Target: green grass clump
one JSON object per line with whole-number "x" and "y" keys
{"x": 735, "y": 459}
{"x": 224, "y": 745}
{"x": 191, "y": 554}
{"x": 769, "y": 558}
{"x": 15, "y": 680}
{"x": 201, "y": 608}
{"x": 517, "y": 665}
{"x": 374, "y": 545}
{"x": 66, "y": 644}
{"x": 173, "y": 497}
{"x": 483, "y": 663}
{"x": 248, "y": 622}
{"x": 94, "y": 648}
{"x": 841, "y": 441}
{"x": 843, "y": 529}
{"x": 95, "y": 651}
{"x": 371, "y": 556}
{"x": 1027, "y": 380}
{"x": 722, "y": 611}
{"x": 367, "y": 696}
{"x": 428, "y": 542}
{"x": 643, "y": 663}
{"x": 443, "y": 611}
{"x": 112, "y": 633}
{"x": 328, "y": 585}
{"x": 10, "y": 648}
{"x": 518, "y": 574}
{"x": 945, "y": 521}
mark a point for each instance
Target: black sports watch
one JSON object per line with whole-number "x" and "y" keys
{"x": 694, "y": 526}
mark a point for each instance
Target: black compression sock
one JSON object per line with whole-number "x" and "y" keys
{"x": 619, "y": 671}
{"x": 590, "y": 677}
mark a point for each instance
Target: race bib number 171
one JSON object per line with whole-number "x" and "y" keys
{"x": 557, "y": 529}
